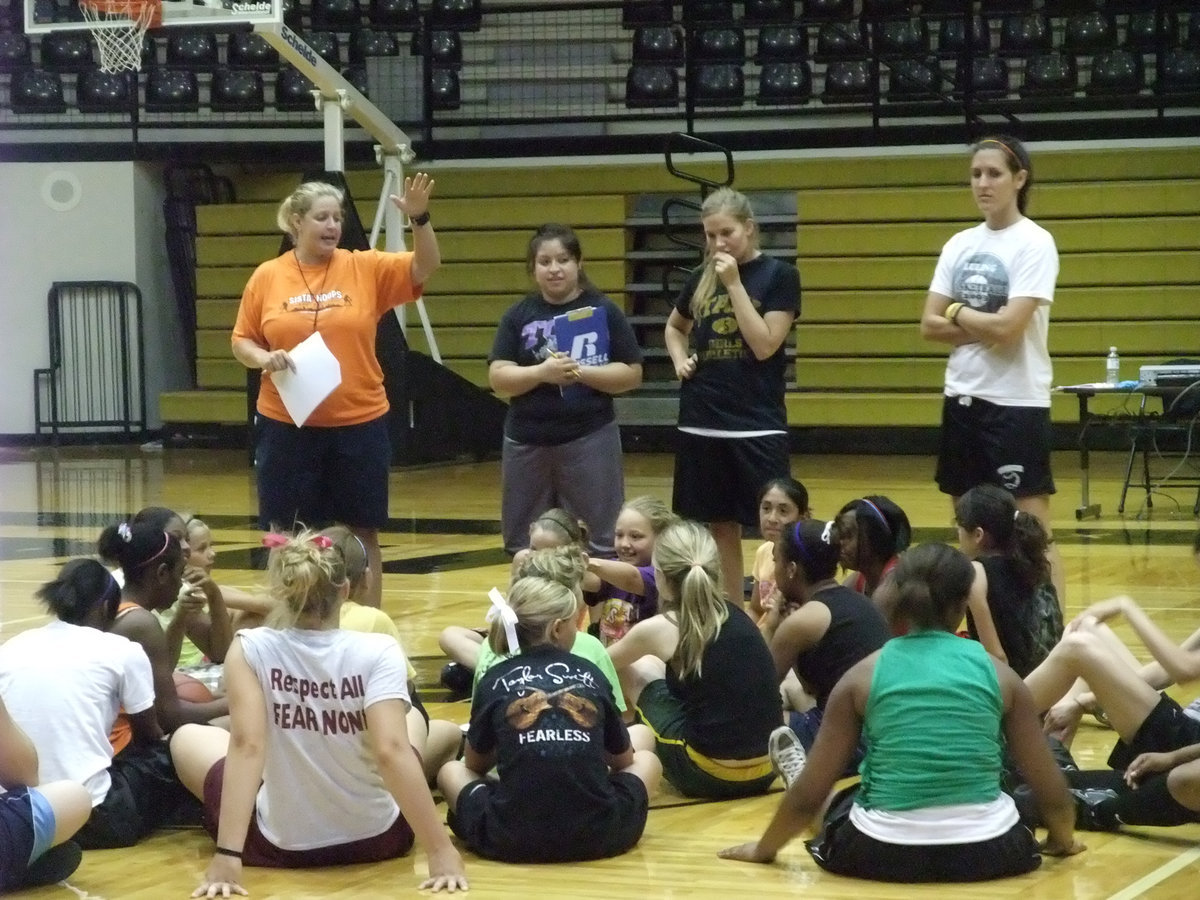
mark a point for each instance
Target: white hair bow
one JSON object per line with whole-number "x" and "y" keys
{"x": 501, "y": 608}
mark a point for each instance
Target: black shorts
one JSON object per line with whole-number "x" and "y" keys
{"x": 145, "y": 794}
{"x": 983, "y": 443}
{"x": 1166, "y": 729}
{"x": 16, "y": 838}
{"x": 844, "y": 850}
{"x": 319, "y": 476}
{"x": 718, "y": 479}
{"x": 617, "y": 830}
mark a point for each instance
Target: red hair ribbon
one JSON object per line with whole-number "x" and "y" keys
{"x": 274, "y": 539}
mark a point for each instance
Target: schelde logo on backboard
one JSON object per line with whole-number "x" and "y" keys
{"x": 262, "y": 6}
{"x": 299, "y": 46}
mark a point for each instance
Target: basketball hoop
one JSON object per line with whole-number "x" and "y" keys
{"x": 119, "y": 27}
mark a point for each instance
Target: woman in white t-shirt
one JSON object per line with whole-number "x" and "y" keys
{"x": 318, "y": 769}
{"x": 990, "y": 301}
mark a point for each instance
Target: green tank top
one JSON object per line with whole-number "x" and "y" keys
{"x": 932, "y": 728}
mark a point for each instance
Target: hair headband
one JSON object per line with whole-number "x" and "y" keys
{"x": 808, "y": 560}
{"x": 110, "y": 589}
{"x": 161, "y": 551}
{"x": 273, "y": 540}
{"x": 1007, "y": 149}
{"x": 878, "y": 512}
{"x": 508, "y": 617}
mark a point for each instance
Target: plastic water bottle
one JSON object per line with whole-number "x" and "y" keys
{"x": 1112, "y": 368}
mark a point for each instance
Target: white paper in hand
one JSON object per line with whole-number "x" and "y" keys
{"x": 317, "y": 374}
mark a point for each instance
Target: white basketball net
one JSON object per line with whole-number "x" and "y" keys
{"x": 120, "y": 44}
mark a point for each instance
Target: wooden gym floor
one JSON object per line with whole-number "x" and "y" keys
{"x": 441, "y": 555}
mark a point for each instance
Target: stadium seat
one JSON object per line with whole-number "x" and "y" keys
{"x": 15, "y": 53}
{"x": 651, "y": 86}
{"x": 445, "y": 48}
{"x": 1179, "y": 72}
{"x": 394, "y": 15}
{"x": 1049, "y": 75}
{"x": 718, "y": 84}
{"x": 247, "y": 50}
{"x": 458, "y": 15}
{"x": 357, "y": 76}
{"x": 901, "y": 37}
{"x": 236, "y": 90}
{"x": 719, "y": 44}
{"x": 103, "y": 92}
{"x": 784, "y": 84}
{"x": 646, "y": 12}
{"x": 706, "y": 12}
{"x": 335, "y": 15}
{"x": 1116, "y": 72}
{"x": 848, "y": 81}
{"x": 840, "y": 40}
{"x": 781, "y": 43}
{"x": 1089, "y": 33}
{"x": 952, "y": 36}
{"x": 367, "y": 42}
{"x": 172, "y": 90}
{"x": 325, "y": 44}
{"x": 658, "y": 44}
{"x": 445, "y": 89}
{"x": 988, "y": 78}
{"x": 913, "y": 79}
{"x": 149, "y": 51}
{"x": 1026, "y": 35}
{"x": 827, "y": 11}
{"x": 1140, "y": 34}
{"x": 293, "y": 91}
{"x": 293, "y": 15}
{"x": 192, "y": 49}
{"x": 67, "y": 51}
{"x": 37, "y": 91}
{"x": 769, "y": 12}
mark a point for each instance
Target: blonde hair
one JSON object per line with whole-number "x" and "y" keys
{"x": 301, "y": 200}
{"x": 686, "y": 555}
{"x": 305, "y": 578}
{"x": 538, "y": 603}
{"x": 564, "y": 565}
{"x": 654, "y": 511}
{"x": 731, "y": 203}
{"x": 354, "y": 555}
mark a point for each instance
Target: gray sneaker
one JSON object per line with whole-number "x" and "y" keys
{"x": 787, "y": 754}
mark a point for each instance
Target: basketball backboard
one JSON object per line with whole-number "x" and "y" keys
{"x": 65, "y": 15}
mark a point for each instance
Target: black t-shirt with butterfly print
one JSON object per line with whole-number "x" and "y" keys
{"x": 551, "y": 717}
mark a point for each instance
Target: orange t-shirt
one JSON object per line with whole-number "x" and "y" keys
{"x": 284, "y": 302}
{"x": 122, "y": 731}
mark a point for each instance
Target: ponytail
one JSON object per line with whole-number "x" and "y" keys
{"x": 687, "y": 556}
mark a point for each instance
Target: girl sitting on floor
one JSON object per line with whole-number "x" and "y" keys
{"x": 700, "y": 675}
{"x": 936, "y": 712}
{"x": 781, "y": 502}
{"x": 317, "y": 769}
{"x": 1013, "y": 609}
{"x": 545, "y": 718}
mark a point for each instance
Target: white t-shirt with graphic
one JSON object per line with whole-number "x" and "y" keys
{"x": 984, "y": 269}
{"x": 320, "y": 783}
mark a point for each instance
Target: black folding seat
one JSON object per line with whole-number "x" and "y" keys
{"x": 37, "y": 91}
{"x": 325, "y": 44}
{"x": 103, "y": 92}
{"x": 458, "y": 15}
{"x": 357, "y": 76}
{"x": 1026, "y": 35}
{"x": 193, "y": 50}
{"x": 1049, "y": 74}
{"x": 293, "y": 91}
{"x": 719, "y": 44}
{"x": 1090, "y": 33}
{"x": 646, "y": 12}
{"x": 445, "y": 48}
{"x": 15, "y": 52}
{"x": 445, "y": 89}
{"x": 1142, "y": 35}
{"x": 394, "y": 15}
{"x": 827, "y": 11}
{"x": 649, "y": 85}
{"x": 708, "y": 12}
{"x": 1179, "y": 72}
{"x": 1117, "y": 72}
{"x": 367, "y": 42}
{"x": 658, "y": 44}
{"x": 247, "y": 50}
{"x": 952, "y": 36}
{"x": 781, "y": 43}
{"x": 784, "y": 84}
{"x": 718, "y": 84}
{"x": 987, "y": 78}
{"x": 66, "y": 51}
{"x": 236, "y": 90}
{"x": 848, "y": 81}
{"x": 901, "y": 37}
{"x": 913, "y": 79}
{"x": 840, "y": 40}
{"x": 335, "y": 15}
{"x": 172, "y": 90}
{"x": 769, "y": 12}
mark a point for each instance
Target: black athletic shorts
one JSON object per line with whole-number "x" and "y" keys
{"x": 983, "y": 443}
{"x": 1166, "y": 729}
{"x": 718, "y": 479}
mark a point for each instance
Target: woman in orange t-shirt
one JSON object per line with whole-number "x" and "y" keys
{"x": 335, "y": 466}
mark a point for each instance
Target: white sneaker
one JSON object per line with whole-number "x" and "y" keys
{"x": 787, "y": 754}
